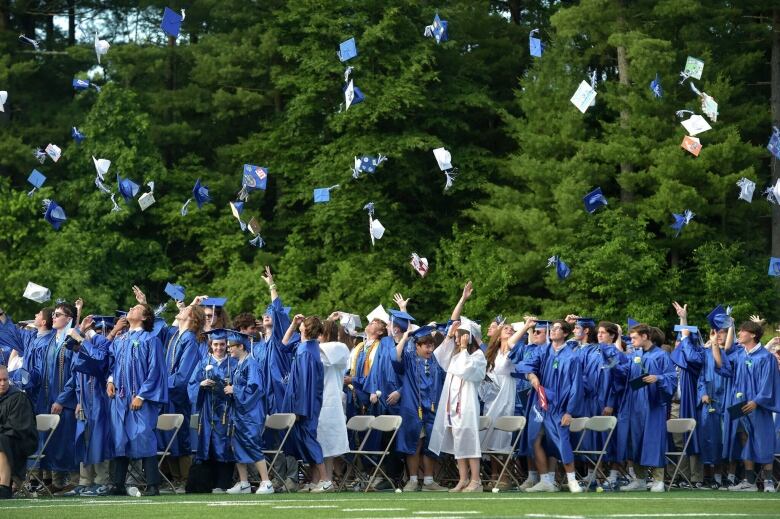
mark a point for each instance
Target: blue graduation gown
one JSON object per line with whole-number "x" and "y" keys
{"x": 689, "y": 357}
{"x": 382, "y": 377}
{"x": 649, "y": 405}
{"x": 277, "y": 358}
{"x": 88, "y": 384}
{"x": 28, "y": 343}
{"x": 755, "y": 377}
{"x": 560, "y": 373}
{"x": 619, "y": 399}
{"x": 53, "y": 365}
{"x": 520, "y": 351}
{"x": 597, "y": 388}
{"x": 182, "y": 355}
{"x": 304, "y": 399}
{"x": 421, "y": 386}
{"x": 138, "y": 369}
{"x": 247, "y": 412}
{"x": 709, "y": 420}
{"x": 212, "y": 406}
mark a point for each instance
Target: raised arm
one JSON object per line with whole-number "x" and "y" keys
{"x": 294, "y": 325}
{"x": 682, "y": 312}
{"x": 399, "y": 348}
{"x": 269, "y": 280}
{"x": 400, "y": 301}
{"x": 467, "y": 291}
{"x": 529, "y": 323}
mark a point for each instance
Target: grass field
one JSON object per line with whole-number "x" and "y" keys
{"x": 408, "y": 505}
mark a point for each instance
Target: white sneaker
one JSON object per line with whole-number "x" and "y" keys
{"x": 543, "y": 486}
{"x": 133, "y": 492}
{"x": 217, "y": 491}
{"x": 323, "y": 487}
{"x": 658, "y": 486}
{"x": 638, "y": 485}
{"x": 528, "y": 483}
{"x": 574, "y": 487}
{"x": 744, "y": 486}
{"x": 412, "y": 486}
{"x": 306, "y": 488}
{"x": 769, "y": 486}
{"x": 242, "y": 487}
{"x": 265, "y": 487}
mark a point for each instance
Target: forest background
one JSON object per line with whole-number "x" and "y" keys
{"x": 260, "y": 83}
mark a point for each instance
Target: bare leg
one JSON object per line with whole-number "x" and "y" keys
{"x": 463, "y": 474}
{"x": 5, "y": 470}
{"x": 328, "y": 469}
{"x": 243, "y": 475}
{"x": 261, "y": 469}
{"x": 474, "y": 468}
{"x": 428, "y": 466}
{"x": 540, "y": 457}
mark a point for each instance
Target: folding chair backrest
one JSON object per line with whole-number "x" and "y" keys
{"x": 46, "y": 422}
{"x": 510, "y": 423}
{"x": 386, "y": 423}
{"x": 359, "y": 423}
{"x": 280, "y": 421}
{"x": 578, "y": 424}
{"x": 680, "y": 425}
{"x": 601, "y": 423}
{"x": 169, "y": 422}
{"x": 194, "y": 419}
{"x": 484, "y": 423}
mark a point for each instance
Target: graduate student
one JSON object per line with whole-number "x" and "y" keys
{"x": 711, "y": 395}
{"x": 18, "y": 433}
{"x": 456, "y": 426}
{"x": 304, "y": 397}
{"x": 753, "y": 396}
{"x": 247, "y": 415}
{"x": 206, "y": 389}
{"x": 555, "y": 367}
{"x": 420, "y": 390}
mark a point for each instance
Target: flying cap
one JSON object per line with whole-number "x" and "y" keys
{"x": 176, "y": 292}
{"x": 54, "y": 214}
{"x": 656, "y": 88}
{"x": 367, "y": 164}
{"x": 695, "y": 124}
{"x": 719, "y": 318}
{"x": 37, "y": 179}
{"x": 681, "y": 220}
{"x": 774, "y": 266}
{"x": 101, "y": 47}
{"x": 147, "y": 199}
{"x": 54, "y": 152}
{"x": 171, "y": 22}
{"x": 37, "y": 293}
{"x": 773, "y": 146}
{"x": 692, "y": 145}
{"x": 127, "y": 188}
{"x": 322, "y": 194}
{"x": 352, "y": 94}
{"x": 77, "y": 135}
{"x": 347, "y": 50}
{"x": 535, "y": 45}
{"x": 419, "y": 264}
{"x": 350, "y": 322}
{"x": 594, "y": 200}
{"x": 200, "y": 194}
{"x": 437, "y": 30}
{"x": 101, "y": 166}
{"x": 561, "y": 269}
{"x": 583, "y": 97}
{"x": 693, "y": 68}
{"x": 746, "y": 189}
{"x": 3, "y": 99}
{"x": 252, "y": 179}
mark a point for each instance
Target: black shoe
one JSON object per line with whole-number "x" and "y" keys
{"x": 152, "y": 490}
{"x": 5, "y": 492}
{"x": 118, "y": 490}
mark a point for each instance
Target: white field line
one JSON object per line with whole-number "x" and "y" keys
{"x": 437, "y": 512}
{"x": 374, "y": 510}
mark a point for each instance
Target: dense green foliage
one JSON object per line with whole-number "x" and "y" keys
{"x": 260, "y": 83}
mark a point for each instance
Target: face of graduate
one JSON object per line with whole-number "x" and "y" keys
{"x": 539, "y": 336}
{"x": 640, "y": 341}
{"x": 602, "y": 336}
{"x": 376, "y": 328}
{"x": 184, "y": 316}
{"x": 5, "y": 381}
{"x": 60, "y": 319}
{"x": 219, "y": 348}
{"x": 506, "y": 332}
{"x": 267, "y": 321}
{"x": 492, "y": 328}
{"x": 236, "y": 351}
{"x": 40, "y": 320}
{"x": 425, "y": 349}
{"x": 720, "y": 338}
{"x": 136, "y": 314}
{"x": 745, "y": 337}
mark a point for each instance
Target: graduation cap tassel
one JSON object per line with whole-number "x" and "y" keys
{"x": 243, "y": 195}
{"x": 116, "y": 207}
{"x": 40, "y": 155}
{"x": 695, "y": 90}
{"x": 101, "y": 186}
{"x": 681, "y": 113}
{"x": 450, "y": 174}
{"x": 32, "y": 191}
{"x": 257, "y": 241}
{"x": 184, "y": 207}
{"x": 160, "y": 309}
{"x": 29, "y": 41}
{"x": 347, "y": 72}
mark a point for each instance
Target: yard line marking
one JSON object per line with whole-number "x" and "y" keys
{"x": 437, "y": 512}
{"x": 374, "y": 510}
{"x": 295, "y": 507}
{"x": 239, "y": 503}
{"x": 556, "y": 516}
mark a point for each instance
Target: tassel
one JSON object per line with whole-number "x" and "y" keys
{"x": 184, "y": 207}
{"x": 31, "y": 192}
{"x": 40, "y": 155}
{"x": 695, "y": 90}
{"x": 29, "y": 41}
{"x": 116, "y": 207}
{"x": 257, "y": 241}
{"x": 681, "y": 113}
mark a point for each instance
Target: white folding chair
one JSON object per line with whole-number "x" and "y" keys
{"x": 484, "y": 423}
{"x": 278, "y": 422}
{"x": 168, "y": 423}
{"x": 46, "y": 424}
{"x": 684, "y": 426}
{"x": 598, "y": 424}
{"x": 383, "y": 424}
{"x": 356, "y": 426}
{"x": 509, "y": 424}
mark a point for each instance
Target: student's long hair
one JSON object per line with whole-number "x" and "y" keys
{"x": 493, "y": 346}
{"x": 197, "y": 320}
{"x": 611, "y": 329}
{"x": 330, "y": 331}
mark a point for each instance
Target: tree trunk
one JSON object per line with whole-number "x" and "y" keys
{"x": 626, "y": 168}
{"x": 71, "y": 23}
{"x": 4, "y": 15}
{"x": 775, "y": 110}
{"x": 49, "y": 32}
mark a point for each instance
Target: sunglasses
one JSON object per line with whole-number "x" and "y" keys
{"x": 60, "y": 314}
{"x": 538, "y": 332}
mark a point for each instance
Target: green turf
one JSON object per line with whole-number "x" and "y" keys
{"x": 409, "y": 505}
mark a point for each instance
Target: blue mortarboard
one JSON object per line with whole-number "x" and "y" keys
{"x": 77, "y": 135}
{"x": 422, "y": 331}
{"x": 542, "y": 324}
{"x": 127, "y": 188}
{"x": 681, "y": 220}
{"x": 54, "y": 214}
{"x": 347, "y": 50}
{"x": 774, "y": 266}
{"x": 367, "y": 164}
{"x": 719, "y": 318}
{"x": 322, "y": 194}
{"x": 201, "y": 195}
{"x": 171, "y": 22}
{"x": 535, "y": 45}
{"x": 217, "y": 334}
{"x": 402, "y": 319}
{"x": 37, "y": 179}
{"x": 352, "y": 94}
{"x": 176, "y": 292}
{"x": 104, "y": 322}
{"x": 561, "y": 269}
{"x": 632, "y": 322}
{"x": 253, "y": 178}
{"x": 218, "y": 302}
{"x": 437, "y": 30}
{"x": 231, "y": 336}
{"x": 680, "y": 327}
{"x": 655, "y": 87}
{"x": 586, "y": 322}
{"x": 594, "y": 200}
{"x": 80, "y": 84}
{"x": 774, "y": 143}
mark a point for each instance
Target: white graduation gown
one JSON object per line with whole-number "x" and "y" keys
{"x": 332, "y": 426}
{"x": 456, "y": 426}
{"x": 502, "y": 405}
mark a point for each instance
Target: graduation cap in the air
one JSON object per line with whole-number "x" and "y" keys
{"x": 774, "y": 266}
{"x": 584, "y": 97}
{"x": 692, "y": 145}
{"x": 127, "y": 188}
{"x": 200, "y": 194}
{"x": 444, "y": 160}
{"x": 253, "y": 226}
{"x": 746, "y": 189}
{"x": 347, "y": 50}
{"x": 77, "y": 135}
{"x": 29, "y": 41}
{"x": 176, "y": 292}
{"x": 37, "y": 179}
{"x": 594, "y": 200}
{"x": 681, "y": 220}
{"x": 171, "y": 22}
{"x": 561, "y": 269}
{"x": 352, "y": 94}
{"x": 252, "y": 179}
{"x": 147, "y": 199}
{"x": 101, "y": 47}
{"x": 84, "y": 84}
{"x": 322, "y": 194}
{"x": 632, "y": 322}
{"x": 367, "y": 164}
{"x": 54, "y": 152}
{"x": 37, "y": 293}
{"x": 719, "y": 318}
{"x": 54, "y": 214}
{"x": 656, "y": 88}
{"x": 437, "y": 30}
{"x": 400, "y": 318}
{"x": 695, "y": 124}
{"x": 375, "y": 228}
{"x": 693, "y": 68}
{"x": 419, "y": 264}
{"x": 350, "y": 322}
{"x": 101, "y": 166}
{"x": 535, "y": 44}
{"x": 3, "y": 99}
{"x": 773, "y": 146}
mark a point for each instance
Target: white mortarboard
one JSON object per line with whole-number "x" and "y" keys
{"x": 54, "y": 152}
{"x": 419, "y": 264}
{"x": 101, "y": 47}
{"x": 473, "y": 328}
{"x": 696, "y": 124}
{"x": 3, "y": 99}
{"x": 583, "y": 97}
{"x": 693, "y": 68}
{"x": 691, "y": 145}
{"x": 352, "y": 94}
{"x": 377, "y": 230}
{"x": 774, "y": 193}
{"x": 379, "y": 313}
{"x": 746, "y": 189}
{"x": 101, "y": 166}
{"x": 350, "y": 322}
{"x": 443, "y": 158}
{"x": 147, "y": 199}
{"x": 37, "y": 293}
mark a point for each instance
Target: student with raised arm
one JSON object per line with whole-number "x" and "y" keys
{"x": 711, "y": 395}
{"x": 456, "y": 426}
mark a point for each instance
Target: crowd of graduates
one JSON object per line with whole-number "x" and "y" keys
{"x": 109, "y": 379}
